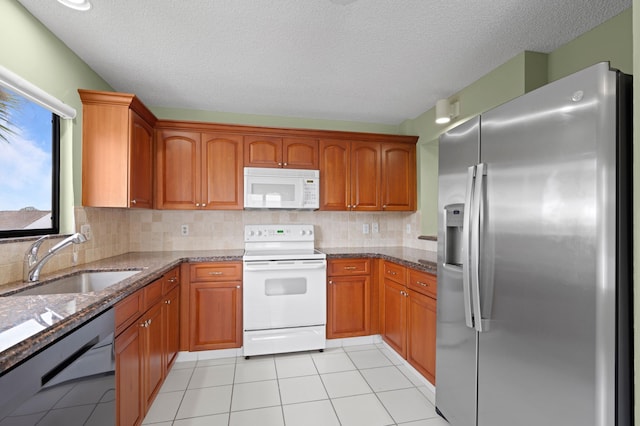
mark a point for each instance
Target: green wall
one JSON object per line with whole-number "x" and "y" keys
{"x": 610, "y": 41}
{"x": 271, "y": 121}
{"x": 30, "y": 50}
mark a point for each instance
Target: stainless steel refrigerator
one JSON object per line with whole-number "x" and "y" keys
{"x": 534, "y": 259}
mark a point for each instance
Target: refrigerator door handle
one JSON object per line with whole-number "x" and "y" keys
{"x": 466, "y": 245}
{"x": 478, "y": 193}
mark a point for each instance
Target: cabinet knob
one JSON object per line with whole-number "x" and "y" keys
{"x": 237, "y": 286}
{"x": 167, "y": 302}
{"x": 173, "y": 279}
{"x": 330, "y": 282}
{"x": 286, "y": 164}
{"x": 280, "y": 164}
{"x": 197, "y": 204}
{"x": 215, "y": 273}
{"x": 392, "y": 273}
{"x": 384, "y": 206}
{"x": 423, "y": 284}
{"x": 133, "y": 201}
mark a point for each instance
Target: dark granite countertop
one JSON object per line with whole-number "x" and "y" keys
{"x": 30, "y": 323}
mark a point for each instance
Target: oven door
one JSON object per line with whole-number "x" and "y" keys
{"x": 284, "y": 294}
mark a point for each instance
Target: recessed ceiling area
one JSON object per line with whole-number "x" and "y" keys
{"x": 376, "y": 61}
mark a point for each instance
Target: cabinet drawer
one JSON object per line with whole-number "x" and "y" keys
{"x": 337, "y": 267}
{"x": 153, "y": 293}
{"x": 170, "y": 280}
{"x": 223, "y": 271}
{"x": 395, "y": 272}
{"x": 129, "y": 310}
{"x": 423, "y": 282}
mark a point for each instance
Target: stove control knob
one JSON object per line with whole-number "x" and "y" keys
{"x": 303, "y": 232}
{"x": 251, "y": 233}
{"x": 310, "y": 231}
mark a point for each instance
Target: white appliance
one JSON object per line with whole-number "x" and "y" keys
{"x": 284, "y": 295}
{"x": 273, "y": 188}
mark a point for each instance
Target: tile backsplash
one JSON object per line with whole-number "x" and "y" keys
{"x": 117, "y": 231}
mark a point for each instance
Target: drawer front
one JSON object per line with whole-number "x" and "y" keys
{"x": 153, "y": 293}
{"x": 129, "y": 310}
{"x": 395, "y": 272}
{"x": 423, "y": 282}
{"x": 170, "y": 280}
{"x": 338, "y": 267}
{"x": 222, "y": 271}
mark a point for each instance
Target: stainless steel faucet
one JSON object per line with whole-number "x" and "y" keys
{"x": 33, "y": 266}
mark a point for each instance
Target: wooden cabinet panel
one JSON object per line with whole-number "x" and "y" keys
{"x": 153, "y": 293}
{"x": 335, "y": 180}
{"x": 394, "y": 318}
{"x": 141, "y": 162}
{"x": 395, "y": 272}
{"x": 117, "y": 140}
{"x": 171, "y": 327}
{"x": 128, "y": 347}
{"x": 398, "y": 176}
{"x": 215, "y": 315}
{"x": 217, "y": 271}
{"x": 300, "y": 153}
{"x": 178, "y": 170}
{"x": 365, "y": 176}
{"x": 421, "y": 350}
{"x": 336, "y": 267}
{"x": 423, "y": 282}
{"x": 262, "y": 151}
{"x": 222, "y": 174}
{"x": 128, "y": 310}
{"x": 152, "y": 358}
{"x": 348, "y": 306}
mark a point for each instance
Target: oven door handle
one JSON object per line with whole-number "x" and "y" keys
{"x": 283, "y": 265}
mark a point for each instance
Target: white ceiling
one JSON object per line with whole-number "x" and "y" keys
{"x": 380, "y": 61}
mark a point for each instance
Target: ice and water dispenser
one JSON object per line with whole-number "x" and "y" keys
{"x": 453, "y": 219}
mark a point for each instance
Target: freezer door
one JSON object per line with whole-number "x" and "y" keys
{"x": 455, "y": 342}
{"x": 548, "y": 264}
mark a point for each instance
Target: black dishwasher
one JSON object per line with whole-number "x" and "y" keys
{"x": 70, "y": 382}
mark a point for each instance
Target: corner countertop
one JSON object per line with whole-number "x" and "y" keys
{"x": 30, "y": 323}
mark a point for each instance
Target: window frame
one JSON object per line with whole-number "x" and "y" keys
{"x": 55, "y": 188}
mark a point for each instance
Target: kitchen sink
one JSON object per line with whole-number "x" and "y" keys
{"x": 84, "y": 282}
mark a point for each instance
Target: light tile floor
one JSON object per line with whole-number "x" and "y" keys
{"x": 349, "y": 386}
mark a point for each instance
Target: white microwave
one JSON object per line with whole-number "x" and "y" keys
{"x": 272, "y": 188}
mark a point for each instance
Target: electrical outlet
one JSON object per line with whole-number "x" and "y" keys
{"x": 365, "y": 228}
{"x": 374, "y": 228}
{"x": 184, "y": 230}
{"x": 408, "y": 227}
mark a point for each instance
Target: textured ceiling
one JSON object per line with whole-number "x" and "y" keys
{"x": 379, "y": 61}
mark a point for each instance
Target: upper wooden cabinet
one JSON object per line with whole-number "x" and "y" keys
{"x": 349, "y": 175}
{"x": 198, "y": 170}
{"x": 367, "y": 175}
{"x": 398, "y": 182}
{"x": 117, "y": 150}
{"x": 283, "y": 152}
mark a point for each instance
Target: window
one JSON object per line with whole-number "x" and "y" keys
{"x": 29, "y": 167}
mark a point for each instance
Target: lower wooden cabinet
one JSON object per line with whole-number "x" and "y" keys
{"x": 147, "y": 338}
{"x": 348, "y": 298}
{"x": 408, "y": 316}
{"x": 421, "y": 334}
{"x": 215, "y": 306}
{"x": 394, "y": 318}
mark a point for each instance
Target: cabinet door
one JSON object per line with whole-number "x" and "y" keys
{"x": 398, "y": 176}
{"x": 262, "y": 151}
{"x": 153, "y": 360}
{"x": 171, "y": 327}
{"x": 128, "y": 349}
{"x": 178, "y": 170}
{"x": 421, "y": 337}
{"x": 300, "y": 153}
{"x": 365, "y": 176}
{"x": 215, "y": 315}
{"x": 334, "y": 175}
{"x": 348, "y": 306}
{"x": 140, "y": 162}
{"x": 394, "y": 316}
{"x": 222, "y": 174}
